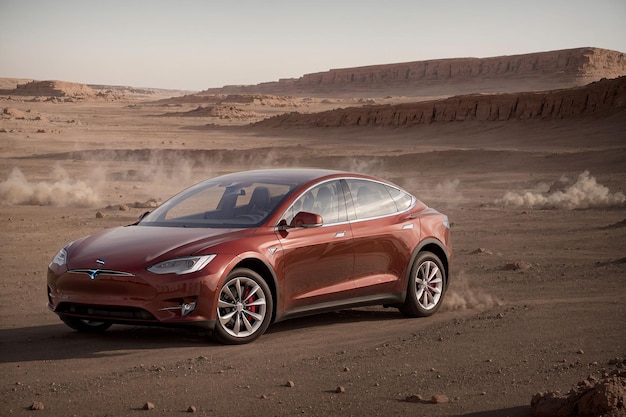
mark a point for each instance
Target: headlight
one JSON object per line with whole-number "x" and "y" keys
{"x": 181, "y": 266}
{"x": 60, "y": 258}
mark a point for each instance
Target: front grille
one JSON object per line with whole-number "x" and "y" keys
{"x": 124, "y": 313}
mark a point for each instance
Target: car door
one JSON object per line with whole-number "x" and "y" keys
{"x": 383, "y": 235}
{"x": 316, "y": 263}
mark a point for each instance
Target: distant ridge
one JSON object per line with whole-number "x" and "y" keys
{"x": 52, "y": 88}
{"x": 70, "y": 91}
{"x": 510, "y": 73}
{"x": 599, "y": 99}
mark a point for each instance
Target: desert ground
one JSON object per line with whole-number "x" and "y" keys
{"x": 536, "y": 301}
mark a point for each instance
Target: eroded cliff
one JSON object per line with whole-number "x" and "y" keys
{"x": 600, "y": 98}
{"x": 512, "y": 73}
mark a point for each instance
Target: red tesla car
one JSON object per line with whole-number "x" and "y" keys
{"x": 235, "y": 253}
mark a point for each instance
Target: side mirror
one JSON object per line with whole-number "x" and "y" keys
{"x": 306, "y": 220}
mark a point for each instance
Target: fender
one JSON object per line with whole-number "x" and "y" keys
{"x": 442, "y": 251}
{"x": 259, "y": 264}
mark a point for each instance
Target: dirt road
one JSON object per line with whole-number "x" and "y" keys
{"x": 536, "y": 301}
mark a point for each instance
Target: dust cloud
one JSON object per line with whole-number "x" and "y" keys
{"x": 62, "y": 191}
{"x": 444, "y": 194}
{"x": 369, "y": 166}
{"x": 165, "y": 176}
{"x": 460, "y": 296}
{"x": 583, "y": 193}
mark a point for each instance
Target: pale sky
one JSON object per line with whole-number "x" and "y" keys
{"x": 198, "y": 44}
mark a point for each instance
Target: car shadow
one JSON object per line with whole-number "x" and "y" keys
{"x": 58, "y": 342}
{"x": 362, "y": 314}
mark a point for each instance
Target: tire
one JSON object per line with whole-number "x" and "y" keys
{"x": 86, "y": 326}
{"x": 426, "y": 287}
{"x": 244, "y": 308}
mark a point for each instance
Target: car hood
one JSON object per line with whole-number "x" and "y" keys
{"x": 136, "y": 247}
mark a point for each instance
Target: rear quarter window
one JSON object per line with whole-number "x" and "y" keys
{"x": 372, "y": 199}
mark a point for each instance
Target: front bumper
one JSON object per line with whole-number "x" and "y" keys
{"x": 126, "y": 298}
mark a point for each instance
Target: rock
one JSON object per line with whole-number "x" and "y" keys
{"x": 152, "y": 203}
{"x": 482, "y": 251}
{"x": 439, "y": 399}
{"x": 605, "y": 397}
{"x": 546, "y": 404}
{"x": 517, "y": 266}
{"x": 290, "y": 384}
{"x": 36, "y": 405}
{"x": 148, "y": 406}
{"x": 340, "y": 390}
{"x": 99, "y": 215}
{"x": 192, "y": 409}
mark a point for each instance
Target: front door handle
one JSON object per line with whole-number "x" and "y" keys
{"x": 340, "y": 234}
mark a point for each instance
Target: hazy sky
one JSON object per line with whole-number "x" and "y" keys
{"x": 197, "y": 44}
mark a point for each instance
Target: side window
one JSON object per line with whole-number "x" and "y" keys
{"x": 371, "y": 199}
{"x": 403, "y": 200}
{"x": 325, "y": 199}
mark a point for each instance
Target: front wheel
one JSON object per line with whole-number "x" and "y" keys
{"x": 244, "y": 308}
{"x": 86, "y": 326}
{"x": 426, "y": 286}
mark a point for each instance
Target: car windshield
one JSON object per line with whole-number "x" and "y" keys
{"x": 220, "y": 205}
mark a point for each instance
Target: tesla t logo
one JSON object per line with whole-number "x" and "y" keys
{"x": 93, "y": 273}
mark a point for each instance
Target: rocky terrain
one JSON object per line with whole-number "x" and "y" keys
{"x": 533, "y": 183}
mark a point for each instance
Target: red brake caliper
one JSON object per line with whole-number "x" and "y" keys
{"x": 251, "y": 308}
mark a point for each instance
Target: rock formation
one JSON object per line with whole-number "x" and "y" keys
{"x": 513, "y": 73}
{"x": 52, "y": 89}
{"x": 600, "y": 98}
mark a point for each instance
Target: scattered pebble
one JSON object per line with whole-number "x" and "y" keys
{"x": 340, "y": 390}
{"x": 148, "y": 406}
{"x": 517, "y": 266}
{"x": 483, "y": 251}
{"x": 37, "y": 406}
{"x": 439, "y": 399}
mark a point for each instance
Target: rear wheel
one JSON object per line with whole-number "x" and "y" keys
{"x": 244, "y": 308}
{"x": 426, "y": 286}
{"x": 86, "y": 326}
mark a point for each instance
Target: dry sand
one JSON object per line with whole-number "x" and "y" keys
{"x": 537, "y": 293}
